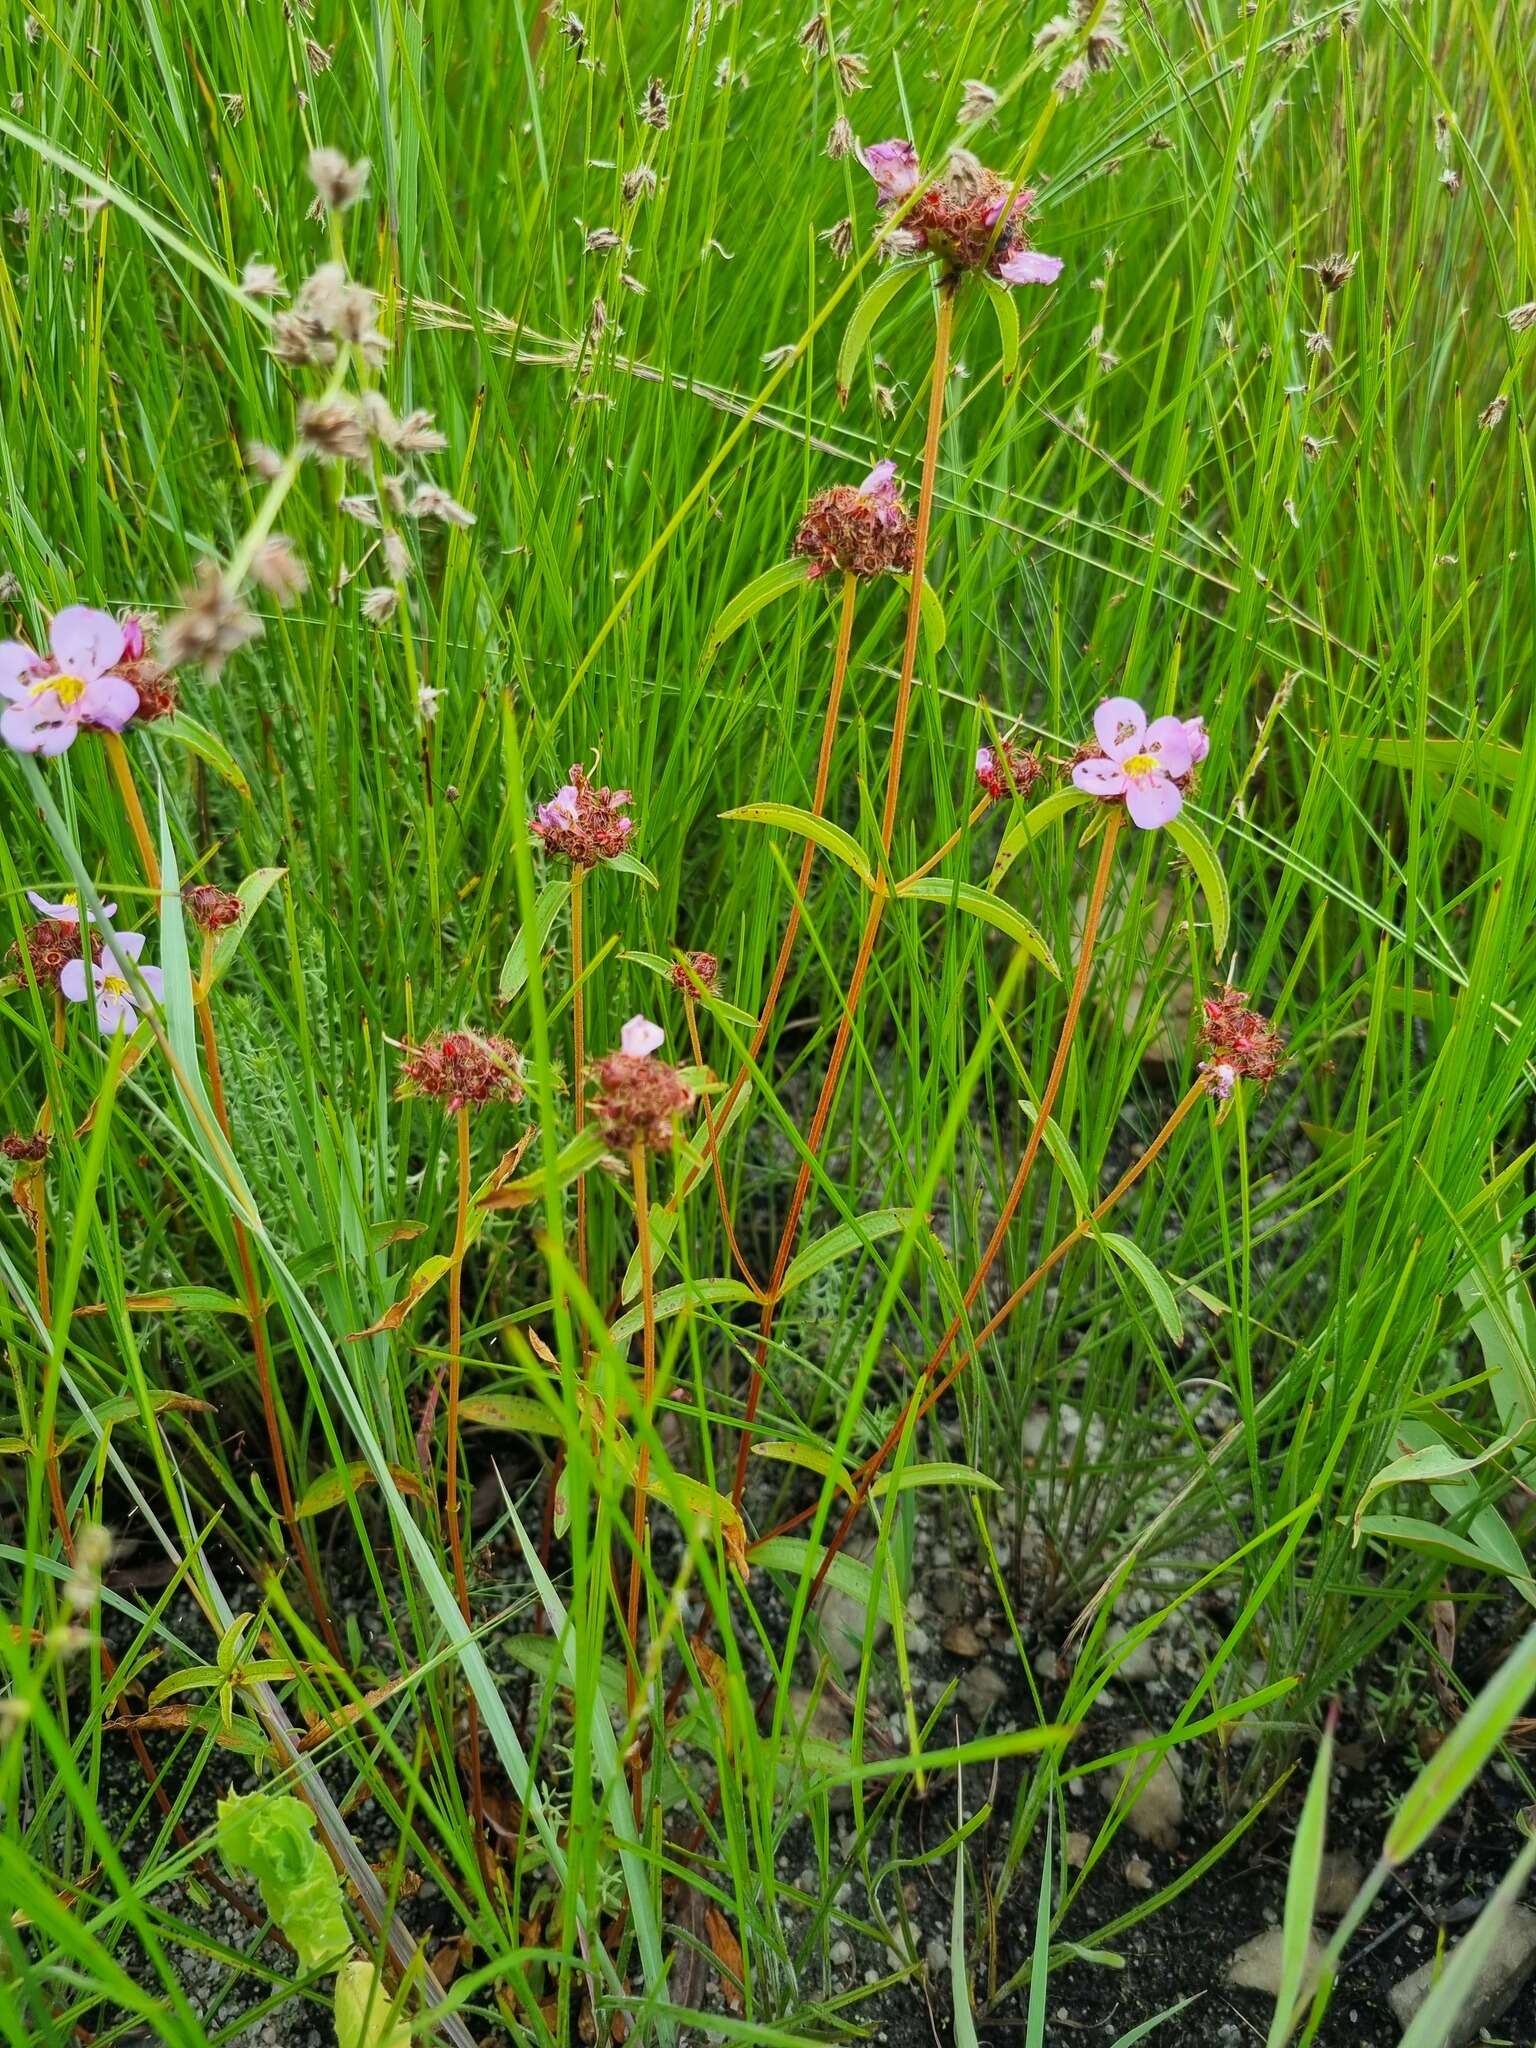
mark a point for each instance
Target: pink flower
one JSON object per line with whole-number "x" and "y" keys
{"x": 116, "y": 1002}
{"x": 640, "y": 1036}
{"x": 1137, "y": 761}
{"x": 133, "y": 637}
{"x": 52, "y": 697}
{"x": 1029, "y": 266}
{"x": 584, "y": 823}
{"x": 1199, "y": 740}
{"x": 893, "y": 166}
{"x": 67, "y": 912}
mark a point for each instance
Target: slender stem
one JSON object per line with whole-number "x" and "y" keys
{"x": 638, "y": 1170}
{"x": 451, "y": 1473}
{"x": 978, "y": 811}
{"x": 117, "y": 755}
{"x": 261, "y": 1349}
{"x": 578, "y": 1078}
{"x": 925, "y": 1401}
{"x": 878, "y": 900}
{"x": 691, "y": 1013}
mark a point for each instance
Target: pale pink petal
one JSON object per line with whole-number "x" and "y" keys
{"x": 115, "y": 1013}
{"x": 37, "y": 725}
{"x": 1199, "y": 740}
{"x": 154, "y": 981}
{"x": 881, "y": 481}
{"x": 86, "y": 642}
{"x": 61, "y": 913}
{"x": 72, "y": 980}
{"x": 640, "y": 1036}
{"x": 893, "y": 166}
{"x": 1100, "y": 778}
{"x": 110, "y": 701}
{"x": 1167, "y": 739}
{"x": 17, "y": 659}
{"x": 984, "y": 761}
{"x": 131, "y": 944}
{"x": 1152, "y": 800}
{"x": 1118, "y": 725}
{"x": 1030, "y": 266}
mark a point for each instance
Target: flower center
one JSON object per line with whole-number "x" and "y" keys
{"x": 113, "y": 985}
{"x": 68, "y": 689}
{"x": 1141, "y": 764}
{"x": 69, "y": 900}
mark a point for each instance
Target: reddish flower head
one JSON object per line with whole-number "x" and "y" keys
{"x": 863, "y": 531}
{"x": 54, "y": 941}
{"x": 1006, "y": 770}
{"x": 639, "y": 1097}
{"x": 696, "y": 971}
{"x": 464, "y": 1069}
{"x": 25, "y": 1148}
{"x": 1242, "y": 1043}
{"x": 956, "y": 218}
{"x": 586, "y": 824}
{"x": 211, "y": 909}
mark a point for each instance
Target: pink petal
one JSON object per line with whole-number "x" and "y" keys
{"x": 1199, "y": 740}
{"x": 1030, "y": 266}
{"x": 1167, "y": 739}
{"x": 1118, "y": 725}
{"x": 154, "y": 981}
{"x": 115, "y": 1013}
{"x": 72, "y": 980}
{"x": 130, "y": 944}
{"x": 109, "y": 701}
{"x": 1153, "y": 800}
{"x": 61, "y": 913}
{"x": 640, "y": 1036}
{"x": 880, "y": 481}
{"x": 86, "y": 642}
{"x": 983, "y": 760}
{"x": 893, "y": 166}
{"x": 17, "y": 659}
{"x": 1100, "y": 778}
{"x": 37, "y": 725}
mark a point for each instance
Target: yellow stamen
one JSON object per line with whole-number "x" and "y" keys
{"x": 1140, "y": 764}
{"x": 68, "y": 689}
{"x": 113, "y": 985}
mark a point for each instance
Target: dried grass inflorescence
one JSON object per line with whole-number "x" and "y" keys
{"x": 464, "y": 1069}
{"x": 863, "y": 531}
{"x": 1243, "y": 1045}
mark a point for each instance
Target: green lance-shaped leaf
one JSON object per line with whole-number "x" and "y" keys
{"x": 1461, "y": 1757}
{"x": 861, "y": 324}
{"x": 271, "y": 1836}
{"x": 762, "y": 590}
{"x": 1006, "y": 307}
{"x": 1159, "y": 1293}
{"x": 1301, "y": 1895}
{"x": 990, "y": 909}
{"x": 832, "y": 837}
{"x": 1201, "y": 855}
{"x": 518, "y": 964}
{"x": 252, "y": 892}
{"x": 197, "y": 739}
{"x": 1049, "y": 811}
{"x": 931, "y": 608}
{"x": 841, "y": 1241}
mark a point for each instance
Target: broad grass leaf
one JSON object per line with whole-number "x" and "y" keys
{"x": 675, "y": 1301}
{"x": 790, "y": 818}
{"x": 982, "y": 904}
{"x": 1301, "y": 1884}
{"x": 1435, "y": 2022}
{"x": 911, "y": 1478}
{"x": 762, "y": 590}
{"x": 197, "y": 739}
{"x": 520, "y": 1413}
{"x": 332, "y": 1488}
{"x": 842, "y": 1241}
{"x": 863, "y": 319}
{"x": 1038, "y": 818}
{"x": 1159, "y": 1293}
{"x": 1006, "y": 307}
{"x": 1201, "y": 855}
{"x": 518, "y": 965}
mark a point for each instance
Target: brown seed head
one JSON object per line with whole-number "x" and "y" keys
{"x": 50, "y": 945}
{"x": 211, "y": 909}
{"x": 698, "y": 970}
{"x": 25, "y": 1148}
{"x": 863, "y": 533}
{"x": 465, "y": 1069}
{"x": 1239, "y": 1039}
{"x": 1007, "y": 770}
{"x": 638, "y": 1099}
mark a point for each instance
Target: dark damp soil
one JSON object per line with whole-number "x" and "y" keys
{"x": 896, "y": 1990}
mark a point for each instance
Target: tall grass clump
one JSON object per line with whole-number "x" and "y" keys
{"x": 769, "y": 1015}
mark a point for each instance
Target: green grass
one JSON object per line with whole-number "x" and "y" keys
{"x": 1327, "y": 552}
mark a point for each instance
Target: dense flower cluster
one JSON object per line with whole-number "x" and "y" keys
{"x": 696, "y": 971}
{"x": 211, "y": 909}
{"x": 1006, "y": 770}
{"x": 970, "y": 219}
{"x": 25, "y": 1148}
{"x": 586, "y": 824}
{"x": 1145, "y": 766}
{"x": 639, "y": 1097}
{"x": 864, "y": 530}
{"x": 465, "y": 1069}
{"x": 54, "y": 940}
{"x": 1242, "y": 1043}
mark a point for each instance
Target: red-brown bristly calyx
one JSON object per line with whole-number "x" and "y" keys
{"x": 1007, "y": 770}
{"x": 211, "y": 909}
{"x": 50, "y": 945}
{"x": 970, "y": 219}
{"x": 586, "y": 823}
{"x": 25, "y": 1148}
{"x": 638, "y": 1097}
{"x": 1243, "y": 1045}
{"x": 864, "y": 530}
{"x": 694, "y": 972}
{"x": 464, "y": 1069}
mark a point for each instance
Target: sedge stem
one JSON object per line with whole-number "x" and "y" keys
{"x": 451, "y": 1472}
{"x": 638, "y": 1172}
